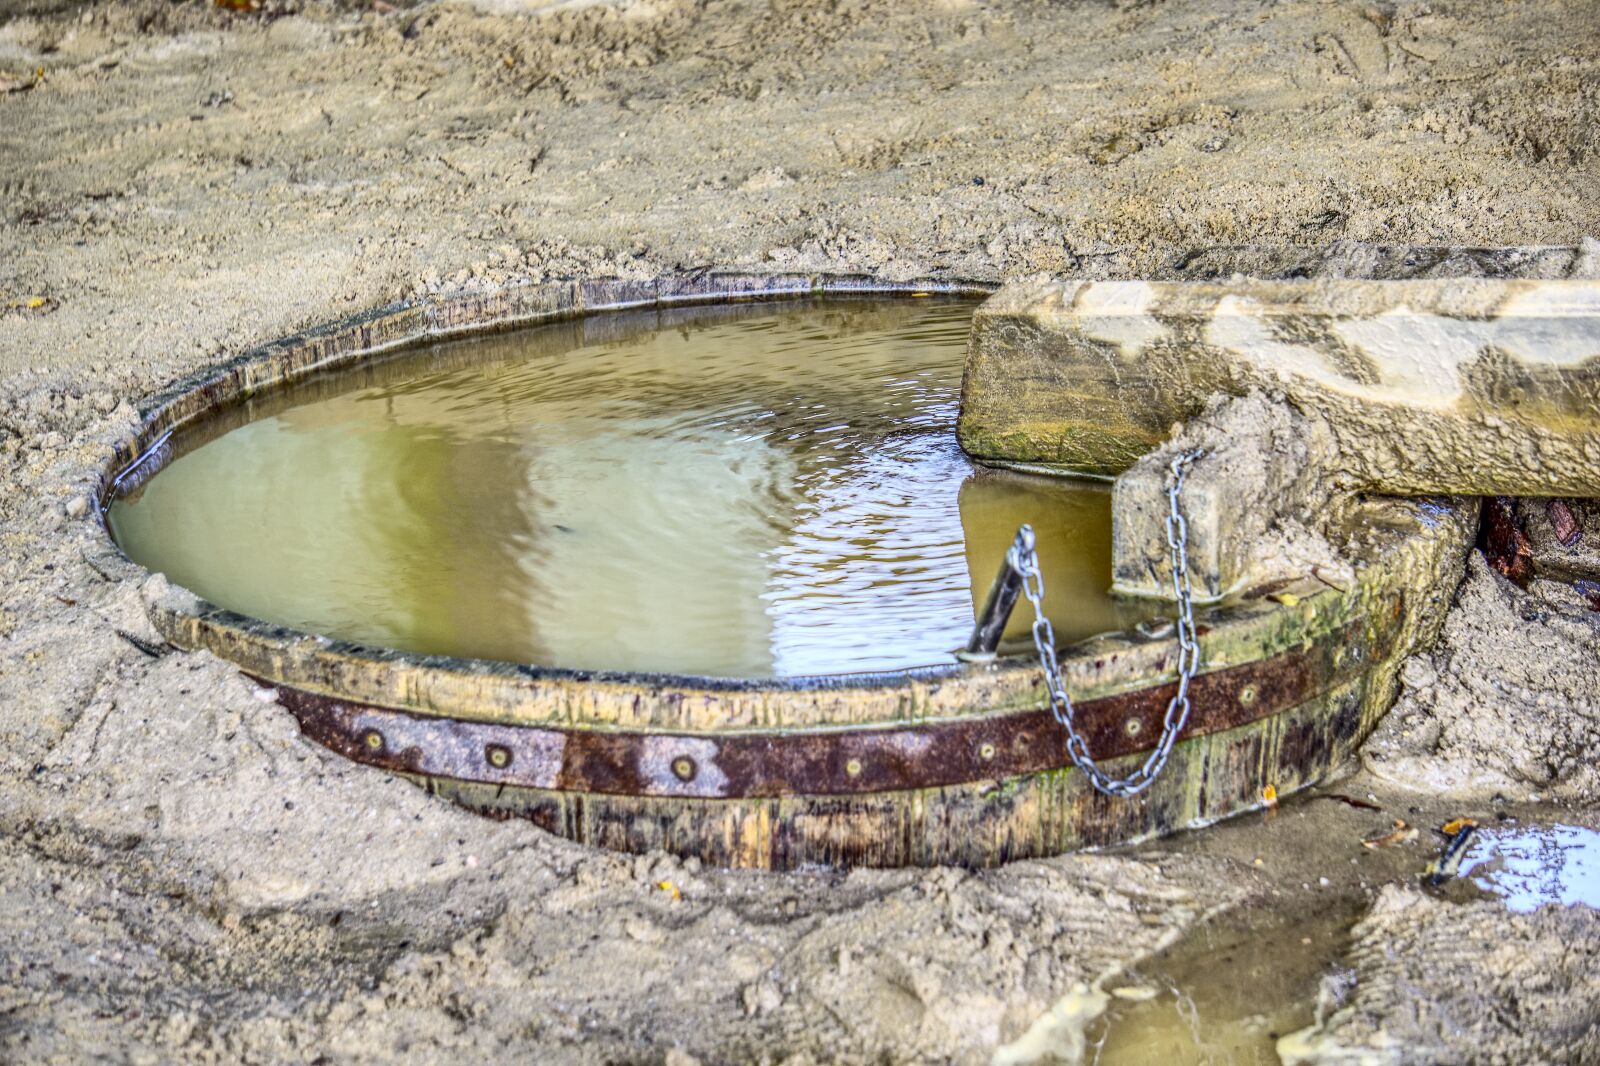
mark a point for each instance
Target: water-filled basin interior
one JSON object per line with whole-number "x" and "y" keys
{"x": 752, "y": 490}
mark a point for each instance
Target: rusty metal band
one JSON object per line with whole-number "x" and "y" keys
{"x": 818, "y": 762}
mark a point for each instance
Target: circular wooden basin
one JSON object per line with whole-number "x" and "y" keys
{"x": 960, "y": 763}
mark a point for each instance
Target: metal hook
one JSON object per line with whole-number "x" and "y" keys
{"x": 991, "y": 624}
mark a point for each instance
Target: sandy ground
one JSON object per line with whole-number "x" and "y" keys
{"x": 183, "y": 878}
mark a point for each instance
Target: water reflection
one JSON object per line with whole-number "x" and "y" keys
{"x": 1530, "y": 866}
{"x": 753, "y": 491}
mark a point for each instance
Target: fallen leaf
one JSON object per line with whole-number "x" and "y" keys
{"x": 1399, "y": 834}
{"x": 1454, "y": 826}
{"x": 670, "y": 889}
{"x": 1448, "y": 863}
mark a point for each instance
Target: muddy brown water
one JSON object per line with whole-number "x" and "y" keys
{"x": 1227, "y": 991}
{"x": 748, "y": 491}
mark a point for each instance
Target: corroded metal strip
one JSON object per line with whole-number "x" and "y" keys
{"x": 818, "y": 762}
{"x": 983, "y": 823}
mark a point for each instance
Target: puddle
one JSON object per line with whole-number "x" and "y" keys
{"x": 1531, "y": 865}
{"x": 761, "y": 490}
{"x": 1225, "y": 994}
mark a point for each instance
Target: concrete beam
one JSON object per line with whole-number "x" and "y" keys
{"x": 1459, "y": 386}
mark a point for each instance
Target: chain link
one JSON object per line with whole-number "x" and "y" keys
{"x": 1025, "y": 560}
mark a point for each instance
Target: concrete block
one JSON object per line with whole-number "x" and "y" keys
{"x": 1458, "y": 386}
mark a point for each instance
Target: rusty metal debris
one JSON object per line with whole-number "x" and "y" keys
{"x": 833, "y": 762}
{"x": 1566, "y": 527}
{"x": 1503, "y": 541}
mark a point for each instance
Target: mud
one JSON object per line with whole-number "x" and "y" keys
{"x": 1508, "y": 702}
{"x": 183, "y": 878}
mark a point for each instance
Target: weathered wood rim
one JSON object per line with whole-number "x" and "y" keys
{"x": 827, "y": 762}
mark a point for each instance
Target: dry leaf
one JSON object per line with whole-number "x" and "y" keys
{"x": 1399, "y": 834}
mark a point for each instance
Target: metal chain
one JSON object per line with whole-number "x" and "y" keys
{"x": 1025, "y": 560}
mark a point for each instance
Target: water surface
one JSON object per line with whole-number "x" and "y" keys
{"x": 748, "y": 491}
{"x": 1529, "y": 866}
